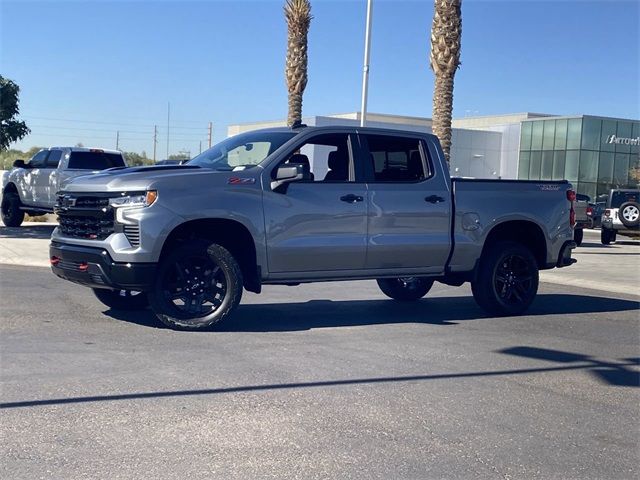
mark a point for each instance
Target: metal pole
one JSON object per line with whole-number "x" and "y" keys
{"x": 168, "y": 119}
{"x": 155, "y": 141}
{"x": 365, "y": 70}
{"x": 210, "y": 133}
{"x": 117, "y": 140}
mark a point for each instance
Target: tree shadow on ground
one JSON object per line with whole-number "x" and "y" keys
{"x": 285, "y": 317}
{"x": 27, "y": 231}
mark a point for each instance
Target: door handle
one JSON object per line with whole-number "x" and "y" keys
{"x": 433, "y": 199}
{"x": 351, "y": 198}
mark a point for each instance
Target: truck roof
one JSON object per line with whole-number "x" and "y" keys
{"x": 85, "y": 149}
{"x": 346, "y": 128}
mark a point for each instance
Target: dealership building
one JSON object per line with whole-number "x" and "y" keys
{"x": 594, "y": 153}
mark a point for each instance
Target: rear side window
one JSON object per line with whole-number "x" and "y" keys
{"x": 618, "y": 198}
{"x": 396, "y": 159}
{"x": 54, "y": 158}
{"x": 95, "y": 160}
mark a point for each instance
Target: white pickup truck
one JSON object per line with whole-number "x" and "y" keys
{"x": 31, "y": 187}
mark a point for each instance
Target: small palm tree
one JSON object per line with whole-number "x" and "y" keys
{"x": 446, "y": 32}
{"x": 298, "y": 15}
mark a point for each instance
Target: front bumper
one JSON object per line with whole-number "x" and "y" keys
{"x": 564, "y": 258}
{"x": 94, "y": 267}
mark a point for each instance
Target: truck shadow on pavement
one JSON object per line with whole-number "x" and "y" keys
{"x": 287, "y": 317}
{"x": 609, "y": 373}
{"x": 28, "y": 231}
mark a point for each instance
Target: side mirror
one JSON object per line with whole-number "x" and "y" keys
{"x": 19, "y": 164}
{"x": 293, "y": 172}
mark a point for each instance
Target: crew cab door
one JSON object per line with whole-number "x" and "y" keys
{"x": 317, "y": 225}
{"x": 31, "y": 188}
{"x": 409, "y": 214}
{"x": 50, "y": 181}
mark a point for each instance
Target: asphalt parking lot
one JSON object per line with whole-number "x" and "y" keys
{"x": 323, "y": 381}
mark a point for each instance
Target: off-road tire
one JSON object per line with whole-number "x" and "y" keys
{"x": 176, "y": 282}
{"x": 578, "y": 235}
{"x": 122, "y": 299}
{"x": 607, "y": 236}
{"x": 506, "y": 282}
{"x": 405, "y": 289}
{"x": 629, "y": 214}
{"x": 12, "y": 216}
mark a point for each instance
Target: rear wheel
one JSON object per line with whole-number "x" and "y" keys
{"x": 12, "y": 216}
{"x": 122, "y": 299}
{"x": 198, "y": 284}
{"x": 607, "y": 236}
{"x": 507, "y": 279}
{"x": 405, "y": 288}
{"x": 629, "y": 214}
{"x": 578, "y": 235}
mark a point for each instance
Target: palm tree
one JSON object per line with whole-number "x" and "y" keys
{"x": 298, "y": 15}
{"x": 446, "y": 32}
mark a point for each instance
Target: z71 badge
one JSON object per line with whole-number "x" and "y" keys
{"x": 241, "y": 181}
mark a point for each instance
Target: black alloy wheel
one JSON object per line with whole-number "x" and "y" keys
{"x": 198, "y": 284}
{"x": 12, "y": 216}
{"x": 507, "y": 279}
{"x": 405, "y": 288}
{"x": 122, "y": 299}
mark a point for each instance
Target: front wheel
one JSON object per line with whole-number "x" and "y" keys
{"x": 12, "y": 216}
{"x": 198, "y": 284}
{"x": 122, "y": 299}
{"x": 507, "y": 279}
{"x": 607, "y": 236}
{"x": 578, "y": 235}
{"x": 405, "y": 288}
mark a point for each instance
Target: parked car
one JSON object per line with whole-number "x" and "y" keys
{"x": 583, "y": 220}
{"x": 595, "y": 212}
{"x": 307, "y": 204}
{"x": 31, "y": 187}
{"x": 621, "y": 216}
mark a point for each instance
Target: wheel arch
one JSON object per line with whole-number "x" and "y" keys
{"x": 230, "y": 234}
{"x": 524, "y": 232}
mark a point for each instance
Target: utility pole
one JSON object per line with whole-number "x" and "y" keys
{"x": 168, "y": 120}
{"x": 155, "y": 141}
{"x": 200, "y": 146}
{"x": 118, "y": 140}
{"x": 365, "y": 70}
{"x": 210, "y": 133}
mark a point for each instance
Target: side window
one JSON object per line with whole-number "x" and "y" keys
{"x": 54, "y": 158}
{"x": 327, "y": 157}
{"x": 396, "y": 159}
{"x": 39, "y": 159}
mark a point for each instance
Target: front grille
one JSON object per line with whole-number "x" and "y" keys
{"x": 85, "y": 226}
{"x": 85, "y": 216}
{"x": 68, "y": 265}
{"x": 132, "y": 232}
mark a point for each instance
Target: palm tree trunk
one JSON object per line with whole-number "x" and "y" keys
{"x": 298, "y": 15}
{"x": 446, "y": 33}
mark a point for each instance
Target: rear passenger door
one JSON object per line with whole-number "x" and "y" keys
{"x": 49, "y": 181}
{"x": 409, "y": 210}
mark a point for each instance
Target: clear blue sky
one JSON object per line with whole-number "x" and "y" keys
{"x": 90, "y": 68}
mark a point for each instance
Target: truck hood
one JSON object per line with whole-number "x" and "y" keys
{"x": 142, "y": 178}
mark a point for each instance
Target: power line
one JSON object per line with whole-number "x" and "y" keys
{"x": 69, "y": 120}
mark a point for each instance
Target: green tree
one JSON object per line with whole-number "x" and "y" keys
{"x": 11, "y": 130}
{"x": 136, "y": 159}
{"x": 446, "y": 34}
{"x": 298, "y": 15}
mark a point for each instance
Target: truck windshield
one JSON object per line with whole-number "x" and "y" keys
{"x": 244, "y": 150}
{"x": 95, "y": 160}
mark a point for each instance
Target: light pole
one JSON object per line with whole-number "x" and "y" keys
{"x": 365, "y": 70}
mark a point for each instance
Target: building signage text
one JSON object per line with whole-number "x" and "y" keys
{"x": 623, "y": 140}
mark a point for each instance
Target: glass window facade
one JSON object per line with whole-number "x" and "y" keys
{"x": 595, "y": 154}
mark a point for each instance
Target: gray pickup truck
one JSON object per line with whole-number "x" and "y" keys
{"x": 310, "y": 204}
{"x": 31, "y": 187}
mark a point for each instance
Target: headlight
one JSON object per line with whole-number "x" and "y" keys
{"x": 136, "y": 200}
